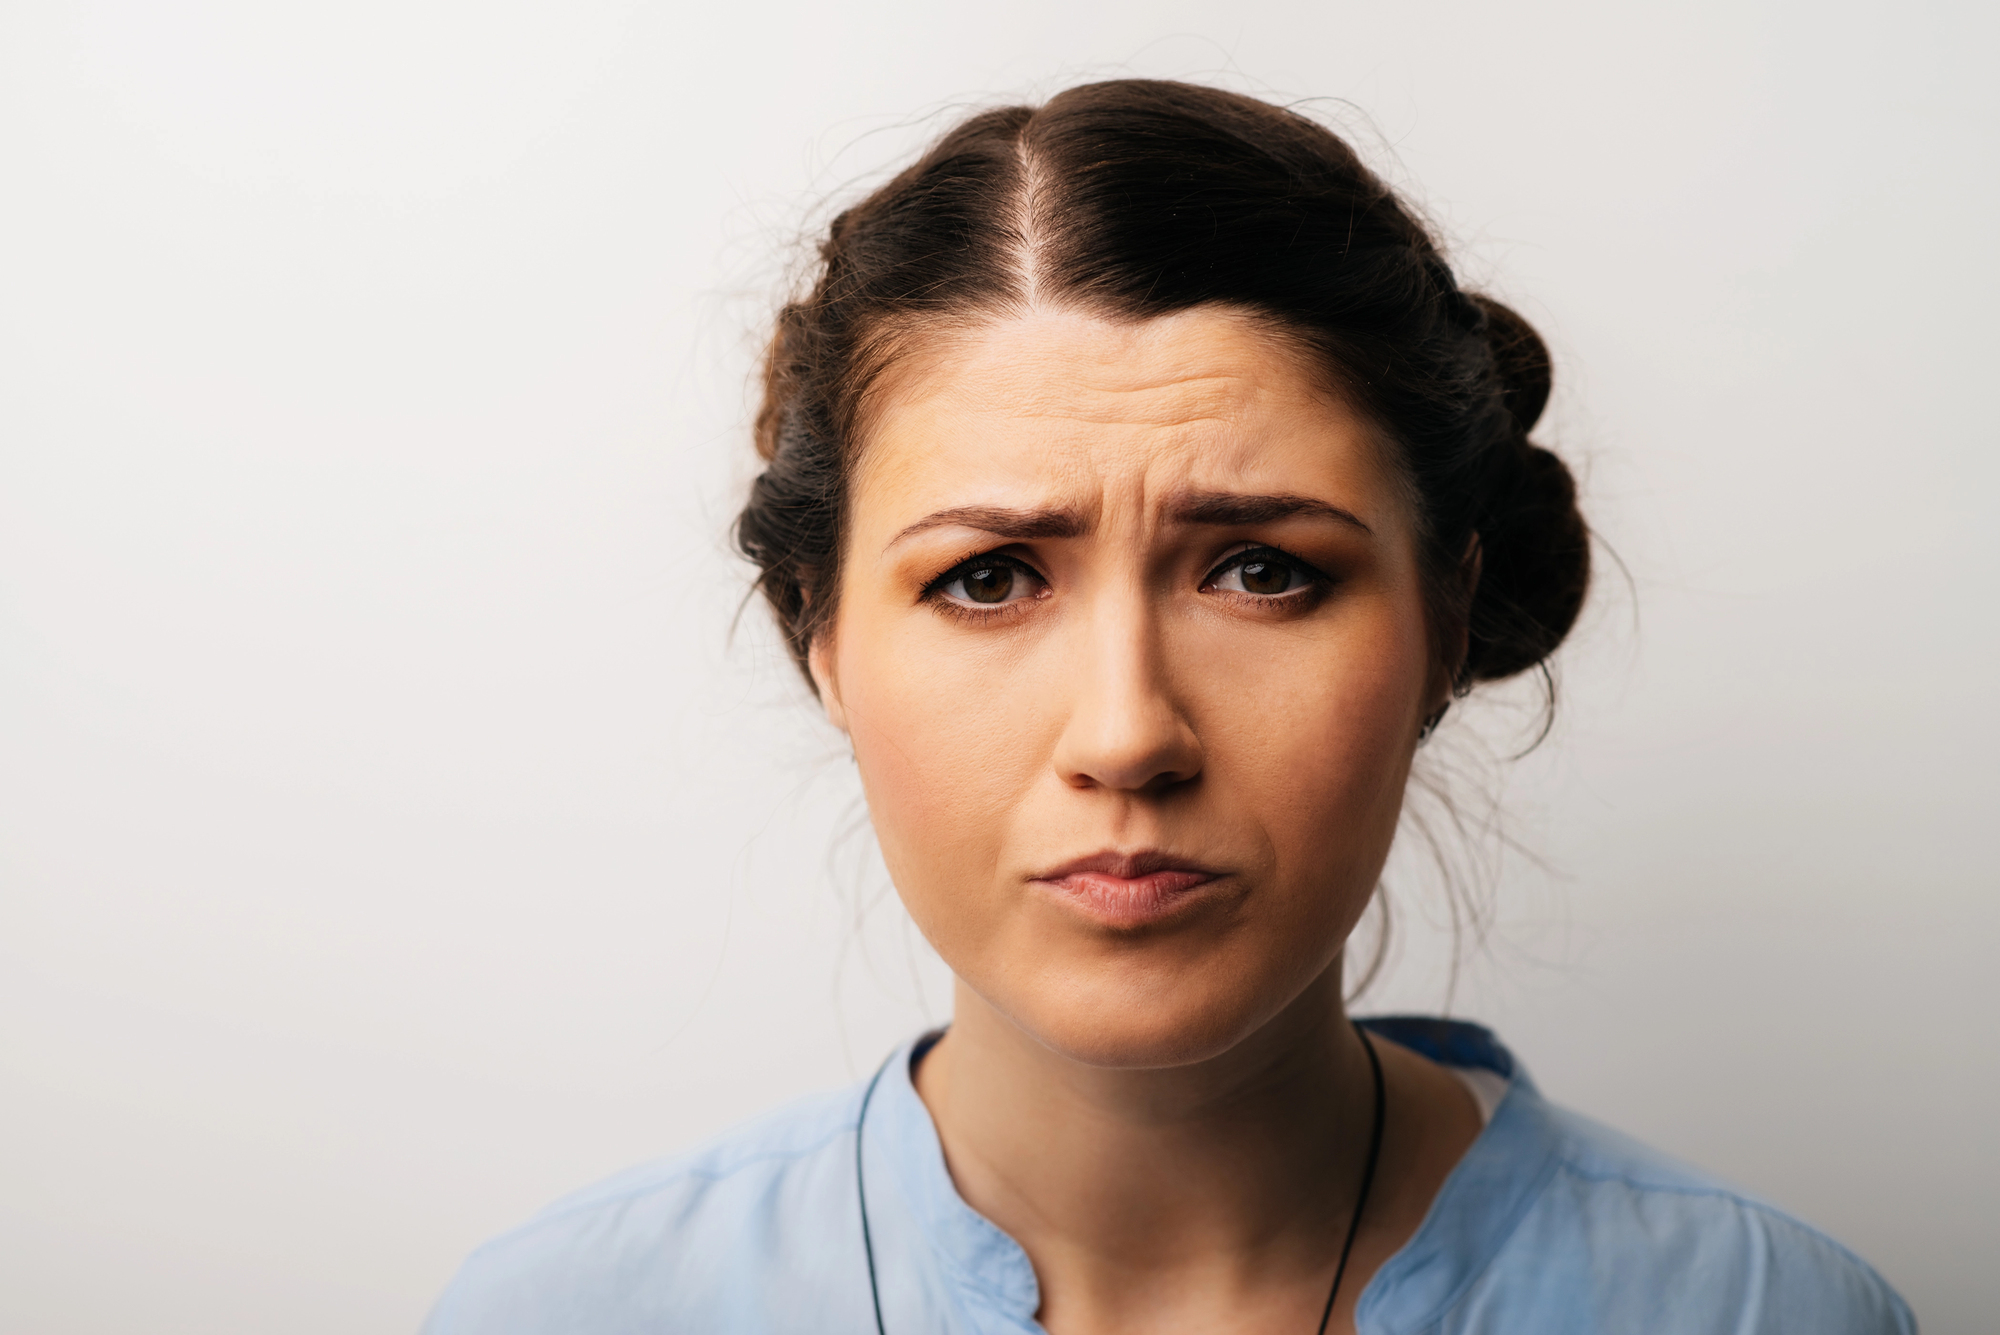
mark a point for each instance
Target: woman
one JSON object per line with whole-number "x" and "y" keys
{"x": 1141, "y": 489}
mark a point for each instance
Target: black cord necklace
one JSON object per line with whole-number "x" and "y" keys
{"x": 1346, "y": 1246}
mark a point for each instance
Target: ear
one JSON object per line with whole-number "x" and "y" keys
{"x": 819, "y": 662}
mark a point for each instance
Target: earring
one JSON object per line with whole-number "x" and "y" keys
{"x": 1431, "y": 723}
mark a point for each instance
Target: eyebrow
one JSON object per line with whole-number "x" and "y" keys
{"x": 1019, "y": 525}
{"x": 1229, "y": 508}
{"x": 1223, "y": 509}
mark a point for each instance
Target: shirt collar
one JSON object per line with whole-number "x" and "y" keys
{"x": 1474, "y": 1213}
{"x": 1482, "y": 1200}
{"x": 985, "y": 1266}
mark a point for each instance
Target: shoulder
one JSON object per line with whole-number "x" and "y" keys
{"x": 1629, "y": 1238}
{"x": 671, "y": 1239}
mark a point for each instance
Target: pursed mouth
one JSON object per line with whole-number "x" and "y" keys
{"x": 1128, "y": 889}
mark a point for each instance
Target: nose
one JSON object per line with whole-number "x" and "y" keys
{"x": 1125, "y": 731}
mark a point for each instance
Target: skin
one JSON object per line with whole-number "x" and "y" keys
{"x": 1168, "y": 1111}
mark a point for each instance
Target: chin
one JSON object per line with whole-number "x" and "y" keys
{"x": 1115, "y": 1025}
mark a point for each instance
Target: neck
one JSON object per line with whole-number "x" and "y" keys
{"x": 1195, "y": 1196}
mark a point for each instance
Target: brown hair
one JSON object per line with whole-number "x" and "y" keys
{"x": 1136, "y": 198}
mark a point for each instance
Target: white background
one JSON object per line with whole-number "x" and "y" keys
{"x": 392, "y": 836}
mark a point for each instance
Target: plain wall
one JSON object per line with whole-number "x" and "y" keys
{"x": 393, "y": 835}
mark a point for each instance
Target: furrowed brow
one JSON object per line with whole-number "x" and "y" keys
{"x": 1017, "y": 525}
{"x": 1229, "y": 509}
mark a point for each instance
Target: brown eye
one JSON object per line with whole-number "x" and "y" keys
{"x": 989, "y": 581}
{"x": 1262, "y": 572}
{"x": 1264, "y": 576}
{"x": 987, "y": 584}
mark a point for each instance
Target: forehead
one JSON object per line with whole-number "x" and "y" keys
{"x": 1091, "y": 411}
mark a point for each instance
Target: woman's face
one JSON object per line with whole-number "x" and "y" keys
{"x": 1133, "y": 656}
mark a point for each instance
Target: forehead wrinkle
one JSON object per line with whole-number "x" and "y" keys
{"x": 1107, "y": 430}
{"x": 1165, "y": 402}
{"x": 1073, "y": 486}
{"x": 1170, "y": 385}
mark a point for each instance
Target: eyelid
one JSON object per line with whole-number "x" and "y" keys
{"x": 1238, "y": 555}
{"x": 990, "y": 557}
{"x": 997, "y": 556}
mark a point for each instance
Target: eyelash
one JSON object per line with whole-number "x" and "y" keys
{"x": 934, "y": 591}
{"x": 1316, "y": 581}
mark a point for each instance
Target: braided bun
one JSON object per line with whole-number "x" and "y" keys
{"x": 1533, "y": 542}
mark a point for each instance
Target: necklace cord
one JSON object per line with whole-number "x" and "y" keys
{"x": 1367, "y": 1176}
{"x": 861, "y": 1193}
{"x": 1346, "y": 1246}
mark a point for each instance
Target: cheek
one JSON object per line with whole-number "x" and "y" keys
{"x": 1317, "y": 742}
{"x": 947, "y": 750}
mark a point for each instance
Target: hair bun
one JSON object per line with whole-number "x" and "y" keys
{"x": 1520, "y": 359}
{"x": 1534, "y": 568}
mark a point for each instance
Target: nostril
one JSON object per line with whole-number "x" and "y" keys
{"x": 1152, "y": 757}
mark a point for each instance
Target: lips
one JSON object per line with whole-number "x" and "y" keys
{"x": 1128, "y": 889}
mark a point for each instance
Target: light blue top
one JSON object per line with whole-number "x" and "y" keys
{"x": 1551, "y": 1223}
